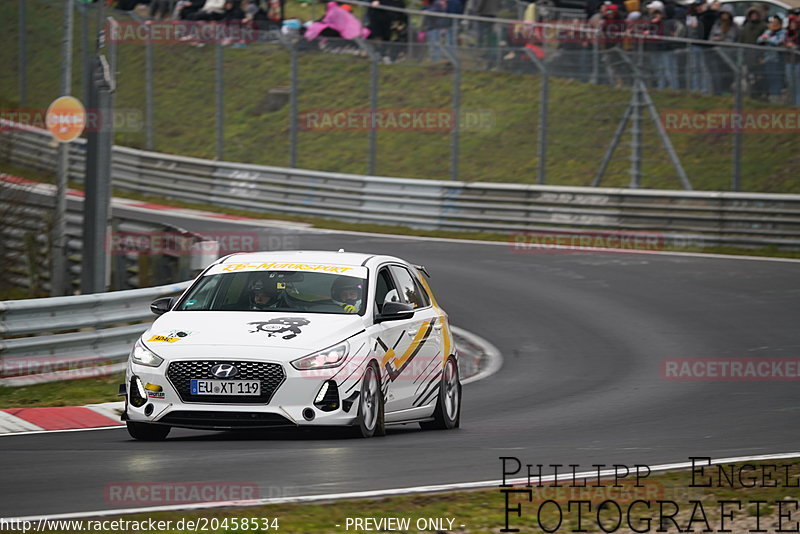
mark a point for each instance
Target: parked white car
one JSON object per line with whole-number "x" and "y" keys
{"x": 273, "y": 339}
{"x": 772, "y": 7}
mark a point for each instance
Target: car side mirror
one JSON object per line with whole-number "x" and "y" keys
{"x": 395, "y": 311}
{"x": 162, "y": 305}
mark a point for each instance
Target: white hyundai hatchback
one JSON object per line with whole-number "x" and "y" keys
{"x": 273, "y": 339}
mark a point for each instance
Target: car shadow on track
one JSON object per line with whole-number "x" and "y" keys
{"x": 283, "y": 434}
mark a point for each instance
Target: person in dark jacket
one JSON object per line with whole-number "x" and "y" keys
{"x": 793, "y": 59}
{"x": 486, "y": 8}
{"x": 699, "y": 21}
{"x": 381, "y": 22}
{"x": 774, "y": 37}
{"x": 661, "y": 51}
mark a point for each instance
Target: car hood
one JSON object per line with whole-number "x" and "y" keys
{"x": 199, "y": 334}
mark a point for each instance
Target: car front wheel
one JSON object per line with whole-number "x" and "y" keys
{"x": 370, "y": 420}
{"x": 147, "y": 431}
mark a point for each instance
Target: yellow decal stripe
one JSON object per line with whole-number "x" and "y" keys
{"x": 165, "y": 339}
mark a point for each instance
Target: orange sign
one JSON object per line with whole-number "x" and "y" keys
{"x": 66, "y": 119}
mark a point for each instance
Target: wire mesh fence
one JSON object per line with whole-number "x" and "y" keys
{"x": 472, "y": 100}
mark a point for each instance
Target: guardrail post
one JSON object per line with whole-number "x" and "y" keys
{"x": 544, "y": 96}
{"x": 737, "y": 133}
{"x": 220, "y": 102}
{"x": 85, "y": 58}
{"x": 149, "y": 142}
{"x": 293, "y": 104}
{"x": 58, "y": 250}
{"x": 23, "y": 54}
{"x": 97, "y": 183}
{"x": 636, "y": 125}
{"x": 374, "y": 61}
{"x": 454, "y": 134}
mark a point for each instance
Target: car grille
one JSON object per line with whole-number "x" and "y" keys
{"x": 181, "y": 373}
{"x": 225, "y": 420}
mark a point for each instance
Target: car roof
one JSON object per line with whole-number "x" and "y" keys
{"x": 300, "y": 256}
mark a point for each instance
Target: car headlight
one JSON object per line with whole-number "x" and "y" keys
{"x": 144, "y": 356}
{"x": 324, "y": 359}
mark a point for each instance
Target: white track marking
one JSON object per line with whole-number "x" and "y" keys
{"x": 112, "y": 410}
{"x": 13, "y": 424}
{"x": 28, "y": 433}
{"x": 494, "y": 360}
{"x": 439, "y": 488}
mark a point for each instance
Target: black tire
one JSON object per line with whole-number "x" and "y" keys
{"x": 147, "y": 431}
{"x": 370, "y": 420}
{"x": 447, "y": 414}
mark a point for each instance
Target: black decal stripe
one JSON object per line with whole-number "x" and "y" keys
{"x": 343, "y": 366}
{"x": 357, "y": 382}
{"x": 423, "y": 374}
{"x": 355, "y": 368}
{"x": 426, "y": 378}
{"x": 382, "y": 344}
{"x": 428, "y": 389}
{"x": 399, "y": 339}
{"x": 365, "y": 261}
{"x": 424, "y": 401}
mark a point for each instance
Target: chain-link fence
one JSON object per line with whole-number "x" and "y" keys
{"x": 468, "y": 98}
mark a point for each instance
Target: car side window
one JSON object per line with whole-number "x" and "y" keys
{"x": 384, "y": 287}
{"x": 409, "y": 288}
{"x": 426, "y": 299}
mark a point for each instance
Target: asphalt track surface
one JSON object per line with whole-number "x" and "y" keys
{"x": 583, "y": 337}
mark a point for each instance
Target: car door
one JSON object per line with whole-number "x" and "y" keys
{"x": 413, "y": 372}
{"x": 389, "y": 338}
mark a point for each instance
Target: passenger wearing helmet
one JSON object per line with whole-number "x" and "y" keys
{"x": 263, "y": 295}
{"x": 346, "y": 292}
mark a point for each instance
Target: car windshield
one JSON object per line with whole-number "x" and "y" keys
{"x": 281, "y": 291}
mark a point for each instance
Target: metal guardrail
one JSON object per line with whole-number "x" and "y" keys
{"x": 680, "y": 217}
{"x": 44, "y": 355}
{"x": 73, "y": 337}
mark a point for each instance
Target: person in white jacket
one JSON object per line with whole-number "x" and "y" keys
{"x": 211, "y": 10}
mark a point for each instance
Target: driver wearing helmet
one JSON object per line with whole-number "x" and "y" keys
{"x": 262, "y": 295}
{"x": 346, "y": 292}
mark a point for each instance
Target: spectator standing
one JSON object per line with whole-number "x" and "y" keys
{"x": 211, "y": 10}
{"x": 661, "y": 51}
{"x": 752, "y": 29}
{"x": 698, "y": 28}
{"x": 381, "y": 21}
{"x": 436, "y": 28}
{"x": 159, "y": 9}
{"x": 793, "y": 59}
{"x": 486, "y": 8}
{"x": 774, "y": 37}
{"x": 724, "y": 30}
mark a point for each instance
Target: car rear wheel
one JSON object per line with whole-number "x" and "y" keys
{"x": 147, "y": 431}
{"x": 447, "y": 414}
{"x": 370, "y": 407}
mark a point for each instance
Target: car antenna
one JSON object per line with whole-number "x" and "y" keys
{"x": 341, "y": 250}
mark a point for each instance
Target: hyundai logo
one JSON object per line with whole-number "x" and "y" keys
{"x": 224, "y": 370}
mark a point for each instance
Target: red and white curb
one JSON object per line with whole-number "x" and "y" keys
{"x": 60, "y": 418}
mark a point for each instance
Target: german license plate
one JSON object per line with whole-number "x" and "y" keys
{"x": 225, "y": 387}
